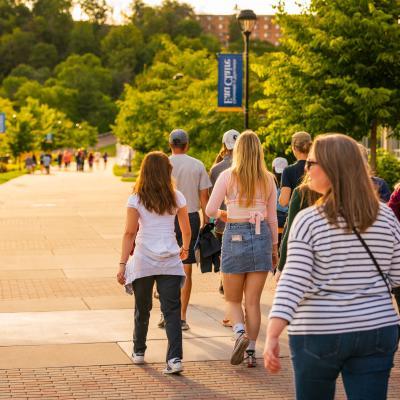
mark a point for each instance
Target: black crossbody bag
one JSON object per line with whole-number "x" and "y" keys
{"x": 373, "y": 259}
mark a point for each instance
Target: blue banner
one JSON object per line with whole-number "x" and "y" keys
{"x": 2, "y": 122}
{"x": 230, "y": 82}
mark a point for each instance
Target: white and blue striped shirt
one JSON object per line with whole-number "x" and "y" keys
{"x": 330, "y": 284}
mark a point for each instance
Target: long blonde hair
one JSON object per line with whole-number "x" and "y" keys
{"x": 351, "y": 194}
{"x": 249, "y": 171}
{"x": 154, "y": 185}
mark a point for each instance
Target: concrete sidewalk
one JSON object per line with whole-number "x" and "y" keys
{"x": 65, "y": 323}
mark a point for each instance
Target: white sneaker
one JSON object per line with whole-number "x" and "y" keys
{"x": 174, "y": 366}
{"x": 138, "y": 358}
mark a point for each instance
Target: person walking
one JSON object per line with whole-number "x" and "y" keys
{"x": 250, "y": 240}
{"x": 105, "y": 159}
{"x": 380, "y": 184}
{"x": 91, "y": 160}
{"x": 293, "y": 174}
{"x": 157, "y": 257}
{"x": 223, "y": 162}
{"x": 334, "y": 292}
{"x": 47, "y": 162}
{"x": 394, "y": 204}
{"x": 302, "y": 198}
{"x": 192, "y": 180}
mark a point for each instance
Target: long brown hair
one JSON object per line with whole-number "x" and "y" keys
{"x": 155, "y": 186}
{"x": 249, "y": 170}
{"x": 351, "y": 194}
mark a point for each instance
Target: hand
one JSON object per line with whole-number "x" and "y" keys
{"x": 121, "y": 274}
{"x": 275, "y": 259}
{"x": 223, "y": 216}
{"x": 271, "y": 355}
{"x": 184, "y": 253}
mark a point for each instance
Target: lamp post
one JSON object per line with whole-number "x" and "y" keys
{"x": 247, "y": 20}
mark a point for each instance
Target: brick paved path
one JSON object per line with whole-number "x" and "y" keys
{"x": 200, "y": 380}
{"x": 61, "y": 307}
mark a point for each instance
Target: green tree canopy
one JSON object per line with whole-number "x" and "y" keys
{"x": 338, "y": 71}
{"x": 178, "y": 90}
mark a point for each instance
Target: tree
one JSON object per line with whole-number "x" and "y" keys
{"x": 158, "y": 103}
{"x": 52, "y": 22}
{"x": 121, "y": 49}
{"x": 15, "y": 48}
{"x": 338, "y": 71}
{"x": 87, "y": 85}
{"x": 83, "y": 39}
{"x": 96, "y": 10}
{"x": 43, "y": 55}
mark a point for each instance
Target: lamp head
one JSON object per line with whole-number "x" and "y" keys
{"x": 247, "y": 20}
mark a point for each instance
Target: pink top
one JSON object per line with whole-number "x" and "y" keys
{"x": 266, "y": 209}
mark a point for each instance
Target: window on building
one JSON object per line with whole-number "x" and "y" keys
{"x": 266, "y": 26}
{"x": 220, "y": 26}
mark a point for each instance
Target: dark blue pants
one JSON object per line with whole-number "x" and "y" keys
{"x": 169, "y": 289}
{"x": 363, "y": 358}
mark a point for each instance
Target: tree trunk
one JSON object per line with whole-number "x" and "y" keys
{"x": 374, "y": 128}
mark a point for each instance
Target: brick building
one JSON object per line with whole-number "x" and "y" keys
{"x": 266, "y": 29}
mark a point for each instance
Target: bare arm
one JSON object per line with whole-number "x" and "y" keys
{"x": 184, "y": 224}
{"x": 203, "y": 203}
{"x": 285, "y": 196}
{"x": 131, "y": 227}
{"x": 271, "y": 349}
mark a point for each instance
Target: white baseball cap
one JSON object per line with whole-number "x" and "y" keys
{"x": 229, "y": 138}
{"x": 279, "y": 164}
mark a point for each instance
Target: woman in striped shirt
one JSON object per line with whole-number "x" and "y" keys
{"x": 334, "y": 292}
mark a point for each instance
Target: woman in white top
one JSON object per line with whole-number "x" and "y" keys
{"x": 249, "y": 243}
{"x": 157, "y": 257}
{"x": 334, "y": 292}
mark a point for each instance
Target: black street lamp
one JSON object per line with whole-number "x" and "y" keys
{"x": 247, "y": 20}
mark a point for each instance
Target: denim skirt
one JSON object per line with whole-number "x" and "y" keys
{"x": 243, "y": 251}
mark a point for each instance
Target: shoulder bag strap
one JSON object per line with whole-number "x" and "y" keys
{"x": 373, "y": 259}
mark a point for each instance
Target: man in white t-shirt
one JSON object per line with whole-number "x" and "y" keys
{"x": 192, "y": 180}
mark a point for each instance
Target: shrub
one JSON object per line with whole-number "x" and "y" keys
{"x": 388, "y": 167}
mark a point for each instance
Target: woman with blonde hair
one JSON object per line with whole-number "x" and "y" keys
{"x": 249, "y": 243}
{"x": 157, "y": 257}
{"x": 334, "y": 292}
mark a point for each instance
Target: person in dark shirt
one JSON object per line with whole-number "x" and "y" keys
{"x": 293, "y": 174}
{"x": 380, "y": 184}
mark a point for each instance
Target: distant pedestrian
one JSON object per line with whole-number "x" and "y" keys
{"x": 97, "y": 157}
{"x": 90, "y": 161}
{"x": 293, "y": 174}
{"x": 250, "y": 240}
{"x": 47, "y": 162}
{"x": 157, "y": 257}
{"x": 192, "y": 180}
{"x": 34, "y": 162}
{"x": 29, "y": 164}
{"x": 59, "y": 159}
{"x": 105, "y": 159}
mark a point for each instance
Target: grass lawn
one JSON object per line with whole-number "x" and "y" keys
{"x": 121, "y": 171}
{"x": 6, "y": 176}
{"x": 110, "y": 149}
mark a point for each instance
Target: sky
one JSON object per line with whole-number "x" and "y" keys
{"x": 261, "y": 7}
